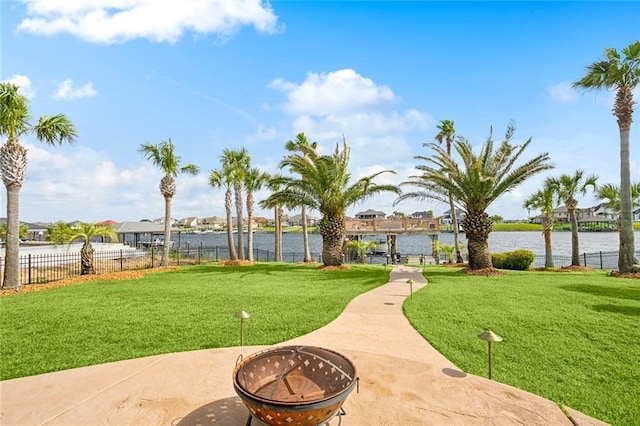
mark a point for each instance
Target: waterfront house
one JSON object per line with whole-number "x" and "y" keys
{"x": 371, "y": 214}
{"x": 422, "y": 215}
{"x": 446, "y": 218}
{"x": 188, "y": 222}
{"x": 296, "y": 220}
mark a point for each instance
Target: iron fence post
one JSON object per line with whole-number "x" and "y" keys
{"x": 601, "y": 261}
{"x": 29, "y": 268}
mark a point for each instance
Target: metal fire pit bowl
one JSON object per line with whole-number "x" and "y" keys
{"x": 294, "y": 385}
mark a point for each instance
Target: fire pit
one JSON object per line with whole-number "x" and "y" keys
{"x": 294, "y": 385}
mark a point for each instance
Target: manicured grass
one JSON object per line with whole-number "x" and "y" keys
{"x": 183, "y": 310}
{"x": 573, "y": 338}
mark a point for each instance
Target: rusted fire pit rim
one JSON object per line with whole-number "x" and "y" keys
{"x": 295, "y": 405}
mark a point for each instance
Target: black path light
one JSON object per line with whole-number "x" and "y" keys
{"x": 242, "y": 315}
{"x": 489, "y": 336}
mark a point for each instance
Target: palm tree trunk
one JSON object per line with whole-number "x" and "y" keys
{"x": 280, "y": 216}
{"x": 250, "y": 226}
{"x": 228, "y": 205}
{"x": 454, "y": 223}
{"x": 477, "y": 227}
{"x": 239, "y": 221}
{"x": 86, "y": 259}
{"x": 575, "y": 248}
{"x": 13, "y": 163}
{"x": 164, "y": 262}
{"x": 277, "y": 254}
{"x": 626, "y": 253}
{"x": 305, "y": 236}
{"x": 12, "y": 247}
{"x": 332, "y": 229}
{"x": 547, "y": 225}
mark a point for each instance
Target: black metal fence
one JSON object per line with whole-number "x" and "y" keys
{"x": 47, "y": 267}
{"x": 44, "y": 268}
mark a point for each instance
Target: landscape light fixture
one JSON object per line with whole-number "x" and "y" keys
{"x": 489, "y": 336}
{"x": 242, "y": 315}
{"x": 410, "y": 282}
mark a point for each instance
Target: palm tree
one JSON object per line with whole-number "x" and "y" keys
{"x": 324, "y": 186}
{"x": 482, "y": 179}
{"x": 446, "y": 135}
{"x": 610, "y": 193}
{"x": 543, "y": 199}
{"x": 566, "y": 188}
{"x": 296, "y": 146}
{"x": 62, "y": 233}
{"x": 622, "y": 75}
{"x": 218, "y": 179}
{"x": 237, "y": 162}
{"x": 59, "y": 233}
{"x": 362, "y": 247}
{"x": 274, "y": 185}
{"x": 254, "y": 180}
{"x": 164, "y": 156}
{"x": 15, "y": 122}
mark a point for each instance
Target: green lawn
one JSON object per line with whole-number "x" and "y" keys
{"x": 182, "y": 310}
{"x": 573, "y": 338}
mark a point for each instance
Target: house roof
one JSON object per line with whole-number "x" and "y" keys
{"x": 371, "y": 212}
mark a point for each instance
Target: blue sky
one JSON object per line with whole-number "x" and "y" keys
{"x": 243, "y": 73}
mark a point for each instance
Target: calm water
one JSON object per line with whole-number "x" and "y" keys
{"x": 589, "y": 242}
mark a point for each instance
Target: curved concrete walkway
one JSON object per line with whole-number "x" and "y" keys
{"x": 403, "y": 381}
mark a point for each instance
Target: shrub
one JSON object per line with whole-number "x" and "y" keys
{"x": 517, "y": 260}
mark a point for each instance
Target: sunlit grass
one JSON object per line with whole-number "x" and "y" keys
{"x": 573, "y": 338}
{"x": 176, "y": 311}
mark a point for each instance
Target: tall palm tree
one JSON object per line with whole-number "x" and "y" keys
{"x": 237, "y": 163}
{"x": 218, "y": 179}
{"x": 325, "y": 186}
{"x": 474, "y": 186}
{"x": 294, "y": 146}
{"x": 544, "y": 200}
{"x": 622, "y": 75}
{"x": 254, "y": 181}
{"x": 446, "y": 135}
{"x": 163, "y": 155}
{"x": 14, "y": 123}
{"x": 274, "y": 185}
{"x": 566, "y": 187}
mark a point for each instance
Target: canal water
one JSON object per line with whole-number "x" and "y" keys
{"x": 589, "y": 242}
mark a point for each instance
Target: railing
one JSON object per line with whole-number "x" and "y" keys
{"x": 44, "y": 268}
{"x": 47, "y": 267}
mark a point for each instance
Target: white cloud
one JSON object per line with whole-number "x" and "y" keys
{"x": 562, "y": 92}
{"x": 338, "y": 92}
{"x": 113, "y": 21}
{"x": 24, "y": 84}
{"x": 331, "y": 105}
{"x": 66, "y": 91}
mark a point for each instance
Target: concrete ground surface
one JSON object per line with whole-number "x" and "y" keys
{"x": 403, "y": 381}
